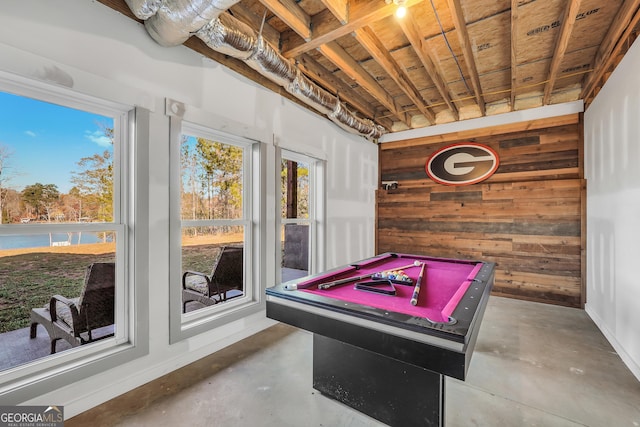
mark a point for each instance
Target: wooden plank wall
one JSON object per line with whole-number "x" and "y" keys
{"x": 527, "y": 217}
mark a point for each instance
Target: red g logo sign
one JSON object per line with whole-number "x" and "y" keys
{"x": 462, "y": 164}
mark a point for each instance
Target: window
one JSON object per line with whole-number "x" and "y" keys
{"x": 212, "y": 214}
{"x": 64, "y": 206}
{"x": 212, "y": 267}
{"x": 301, "y": 207}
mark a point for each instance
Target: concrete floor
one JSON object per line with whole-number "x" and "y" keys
{"x": 534, "y": 365}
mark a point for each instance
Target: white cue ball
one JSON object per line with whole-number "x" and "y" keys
{"x": 416, "y": 263}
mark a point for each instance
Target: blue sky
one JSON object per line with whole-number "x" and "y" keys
{"x": 44, "y": 141}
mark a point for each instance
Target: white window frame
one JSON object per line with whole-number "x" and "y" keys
{"x": 47, "y": 374}
{"x": 317, "y": 209}
{"x": 193, "y": 122}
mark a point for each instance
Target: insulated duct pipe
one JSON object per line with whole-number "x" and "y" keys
{"x": 144, "y": 9}
{"x": 171, "y": 22}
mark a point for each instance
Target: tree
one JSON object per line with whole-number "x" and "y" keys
{"x": 13, "y": 205}
{"x": 189, "y": 181}
{"x": 43, "y": 198}
{"x": 5, "y": 176}
{"x": 94, "y": 182}
{"x": 221, "y": 177}
{"x": 72, "y": 204}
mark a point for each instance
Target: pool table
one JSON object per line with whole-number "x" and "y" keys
{"x": 373, "y": 348}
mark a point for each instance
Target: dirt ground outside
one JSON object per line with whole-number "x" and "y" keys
{"x": 104, "y": 248}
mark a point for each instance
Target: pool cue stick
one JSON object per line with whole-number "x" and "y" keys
{"x": 342, "y": 281}
{"x": 416, "y": 290}
{"x": 404, "y": 267}
{"x": 293, "y": 287}
{"x": 327, "y": 285}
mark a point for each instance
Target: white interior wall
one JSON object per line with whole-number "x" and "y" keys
{"x": 612, "y": 170}
{"x": 91, "y": 49}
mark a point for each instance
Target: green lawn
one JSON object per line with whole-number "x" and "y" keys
{"x": 29, "y": 280}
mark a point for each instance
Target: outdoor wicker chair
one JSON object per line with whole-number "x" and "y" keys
{"x": 224, "y": 283}
{"x": 77, "y": 320}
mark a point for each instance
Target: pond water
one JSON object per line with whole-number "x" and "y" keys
{"x": 15, "y": 241}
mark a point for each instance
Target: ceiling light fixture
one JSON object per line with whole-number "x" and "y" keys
{"x": 401, "y": 11}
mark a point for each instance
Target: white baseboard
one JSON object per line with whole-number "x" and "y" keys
{"x": 633, "y": 365}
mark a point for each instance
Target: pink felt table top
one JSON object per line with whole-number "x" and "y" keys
{"x": 443, "y": 285}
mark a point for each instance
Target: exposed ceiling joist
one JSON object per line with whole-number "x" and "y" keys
{"x": 339, "y": 9}
{"x": 410, "y": 28}
{"x": 242, "y": 12}
{"x": 292, "y": 14}
{"x": 372, "y": 44}
{"x": 514, "y": 53}
{"x": 354, "y": 70}
{"x": 624, "y": 24}
{"x": 362, "y": 14}
{"x": 463, "y": 38}
{"x": 312, "y": 68}
{"x": 447, "y": 60}
{"x": 568, "y": 21}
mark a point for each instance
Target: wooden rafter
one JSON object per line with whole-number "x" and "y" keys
{"x": 350, "y": 66}
{"x": 339, "y": 9}
{"x": 353, "y": 69}
{"x": 292, "y": 15}
{"x": 245, "y": 15}
{"x": 410, "y": 29}
{"x": 514, "y": 59}
{"x": 361, "y": 14}
{"x": 325, "y": 77}
{"x": 624, "y": 22}
{"x": 372, "y": 44}
{"x": 465, "y": 43}
{"x": 568, "y": 20}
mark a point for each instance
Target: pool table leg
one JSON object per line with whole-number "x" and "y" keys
{"x": 391, "y": 391}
